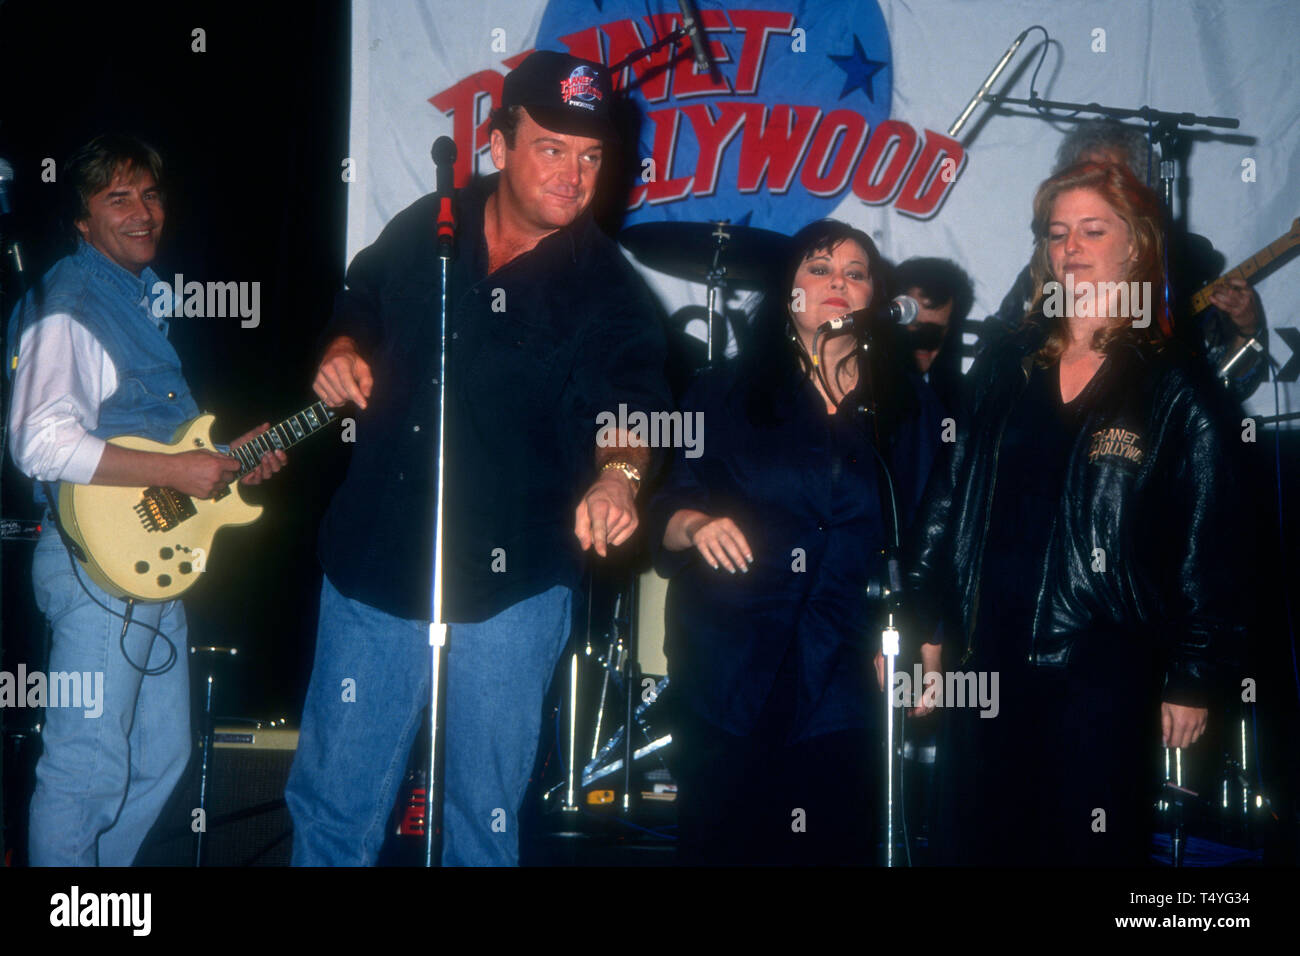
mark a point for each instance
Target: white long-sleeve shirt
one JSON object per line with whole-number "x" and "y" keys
{"x": 64, "y": 376}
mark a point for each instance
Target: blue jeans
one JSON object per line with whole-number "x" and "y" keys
{"x": 368, "y": 686}
{"x": 102, "y": 781}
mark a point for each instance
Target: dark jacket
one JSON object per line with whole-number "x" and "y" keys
{"x": 804, "y": 491}
{"x": 1146, "y": 501}
{"x": 538, "y": 351}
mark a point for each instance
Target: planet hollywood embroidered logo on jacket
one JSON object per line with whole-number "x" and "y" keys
{"x": 1116, "y": 444}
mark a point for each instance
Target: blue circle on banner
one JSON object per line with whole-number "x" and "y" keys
{"x": 760, "y": 141}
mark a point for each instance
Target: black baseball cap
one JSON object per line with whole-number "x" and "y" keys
{"x": 563, "y": 94}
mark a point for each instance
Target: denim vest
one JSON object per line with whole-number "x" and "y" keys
{"x": 152, "y": 399}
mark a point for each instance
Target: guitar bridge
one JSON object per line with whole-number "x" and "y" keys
{"x": 162, "y": 509}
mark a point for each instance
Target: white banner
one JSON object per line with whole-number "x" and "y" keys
{"x": 839, "y": 109}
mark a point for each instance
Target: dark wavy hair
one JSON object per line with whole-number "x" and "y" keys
{"x": 91, "y": 169}
{"x": 777, "y": 361}
{"x": 1139, "y": 209}
{"x": 941, "y": 281}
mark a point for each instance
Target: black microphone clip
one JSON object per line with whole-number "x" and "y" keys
{"x": 444, "y": 162}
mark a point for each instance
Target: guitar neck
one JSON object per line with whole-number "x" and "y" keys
{"x": 284, "y": 435}
{"x": 1201, "y": 300}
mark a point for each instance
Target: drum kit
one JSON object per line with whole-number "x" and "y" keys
{"x": 613, "y": 680}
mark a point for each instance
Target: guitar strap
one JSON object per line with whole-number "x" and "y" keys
{"x": 72, "y": 546}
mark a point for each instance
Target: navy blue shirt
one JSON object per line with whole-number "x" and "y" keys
{"x": 804, "y": 491}
{"x": 538, "y": 349}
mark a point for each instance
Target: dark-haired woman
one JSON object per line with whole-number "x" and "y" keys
{"x": 770, "y": 538}
{"x": 1079, "y": 547}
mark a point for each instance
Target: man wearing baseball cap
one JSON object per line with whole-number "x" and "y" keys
{"x": 548, "y": 327}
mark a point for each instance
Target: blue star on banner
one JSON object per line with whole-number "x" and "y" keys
{"x": 858, "y": 70}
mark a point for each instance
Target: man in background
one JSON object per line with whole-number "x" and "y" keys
{"x": 945, "y": 294}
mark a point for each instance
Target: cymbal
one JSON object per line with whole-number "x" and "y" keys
{"x": 750, "y": 256}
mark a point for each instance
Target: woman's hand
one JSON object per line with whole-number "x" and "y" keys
{"x": 1182, "y": 726}
{"x": 721, "y": 543}
{"x": 718, "y": 540}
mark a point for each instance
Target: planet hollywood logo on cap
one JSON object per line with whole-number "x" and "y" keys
{"x": 581, "y": 89}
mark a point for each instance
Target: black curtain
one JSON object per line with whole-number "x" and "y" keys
{"x": 253, "y": 131}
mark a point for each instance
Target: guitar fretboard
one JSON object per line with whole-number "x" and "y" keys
{"x": 1201, "y": 300}
{"x": 284, "y": 435}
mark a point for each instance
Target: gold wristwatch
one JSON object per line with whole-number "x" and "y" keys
{"x": 633, "y": 475}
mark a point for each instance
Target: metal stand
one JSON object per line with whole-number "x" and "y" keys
{"x": 570, "y": 804}
{"x": 891, "y": 591}
{"x": 437, "y": 627}
{"x": 621, "y": 751}
{"x": 716, "y": 284}
{"x": 1172, "y": 801}
{"x": 633, "y": 682}
{"x": 890, "y": 641}
{"x": 444, "y": 157}
{"x": 206, "y": 741}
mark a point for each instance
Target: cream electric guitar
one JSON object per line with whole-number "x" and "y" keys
{"x": 151, "y": 544}
{"x": 1201, "y": 300}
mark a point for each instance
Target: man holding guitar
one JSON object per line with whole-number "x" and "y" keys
{"x": 91, "y": 362}
{"x": 548, "y": 326}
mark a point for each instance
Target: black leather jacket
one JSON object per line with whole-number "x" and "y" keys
{"x": 1148, "y": 483}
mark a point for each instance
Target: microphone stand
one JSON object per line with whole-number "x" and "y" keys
{"x": 1163, "y": 128}
{"x": 689, "y": 29}
{"x": 444, "y": 158}
{"x": 1116, "y": 112}
{"x": 716, "y": 283}
{"x": 635, "y": 55}
{"x": 890, "y": 590}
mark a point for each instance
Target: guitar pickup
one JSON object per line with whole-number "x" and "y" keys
{"x": 161, "y": 509}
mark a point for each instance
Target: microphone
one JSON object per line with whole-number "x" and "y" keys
{"x": 902, "y": 310}
{"x": 691, "y": 24}
{"x": 6, "y": 177}
{"x": 444, "y": 162}
{"x": 960, "y": 121}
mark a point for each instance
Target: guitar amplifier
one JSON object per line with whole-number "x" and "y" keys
{"x": 247, "y": 821}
